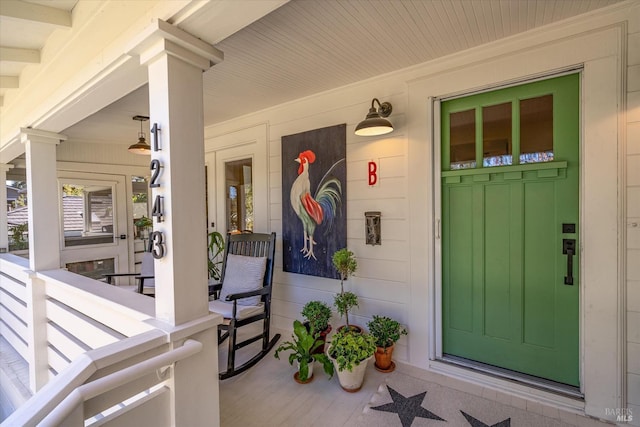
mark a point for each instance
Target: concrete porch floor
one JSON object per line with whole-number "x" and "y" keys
{"x": 267, "y": 395}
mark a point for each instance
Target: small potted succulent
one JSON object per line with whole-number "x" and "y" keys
{"x": 345, "y": 263}
{"x": 350, "y": 351}
{"x": 317, "y": 315}
{"x": 302, "y": 349}
{"x": 386, "y": 331}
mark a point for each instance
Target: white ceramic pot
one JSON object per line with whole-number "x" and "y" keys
{"x": 309, "y": 376}
{"x": 351, "y": 381}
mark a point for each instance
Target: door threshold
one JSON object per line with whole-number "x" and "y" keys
{"x": 518, "y": 377}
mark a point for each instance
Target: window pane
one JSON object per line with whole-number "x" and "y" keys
{"x": 141, "y": 221}
{"x": 94, "y": 269}
{"x": 239, "y": 195}
{"x": 462, "y": 136}
{"x": 87, "y": 214}
{"x": 536, "y": 129}
{"x": 496, "y": 135}
{"x": 17, "y": 216}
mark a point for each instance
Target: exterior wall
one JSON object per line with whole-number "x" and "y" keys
{"x": 397, "y": 278}
{"x": 382, "y": 278}
{"x": 633, "y": 221}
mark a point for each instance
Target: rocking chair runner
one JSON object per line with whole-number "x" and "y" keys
{"x": 244, "y": 295}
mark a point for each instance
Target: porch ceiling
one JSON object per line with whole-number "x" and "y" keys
{"x": 306, "y": 47}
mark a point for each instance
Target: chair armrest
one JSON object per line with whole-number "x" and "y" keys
{"x": 110, "y": 276}
{"x": 261, "y": 291}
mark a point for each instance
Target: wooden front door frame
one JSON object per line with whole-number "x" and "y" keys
{"x": 600, "y": 54}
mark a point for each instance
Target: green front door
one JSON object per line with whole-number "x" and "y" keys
{"x": 509, "y": 211}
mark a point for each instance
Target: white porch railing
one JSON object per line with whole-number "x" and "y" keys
{"x": 95, "y": 352}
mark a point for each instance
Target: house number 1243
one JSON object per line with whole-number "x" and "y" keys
{"x": 156, "y": 237}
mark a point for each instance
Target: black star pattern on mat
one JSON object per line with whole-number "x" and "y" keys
{"x": 407, "y": 408}
{"x": 474, "y": 422}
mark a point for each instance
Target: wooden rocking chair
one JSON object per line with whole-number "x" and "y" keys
{"x": 244, "y": 295}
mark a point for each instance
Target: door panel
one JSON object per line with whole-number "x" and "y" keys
{"x": 505, "y": 301}
{"x": 93, "y": 215}
{"x": 217, "y": 162}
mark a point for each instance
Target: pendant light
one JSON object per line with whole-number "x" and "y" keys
{"x": 375, "y": 123}
{"x": 140, "y": 147}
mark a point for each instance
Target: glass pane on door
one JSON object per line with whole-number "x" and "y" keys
{"x": 87, "y": 214}
{"x": 496, "y": 135}
{"x": 95, "y": 269}
{"x": 536, "y": 129}
{"x": 463, "y": 139}
{"x": 239, "y": 197}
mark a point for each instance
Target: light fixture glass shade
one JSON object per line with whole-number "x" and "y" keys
{"x": 375, "y": 123}
{"x": 140, "y": 147}
{"x": 374, "y": 126}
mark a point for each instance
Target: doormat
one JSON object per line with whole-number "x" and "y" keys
{"x": 405, "y": 401}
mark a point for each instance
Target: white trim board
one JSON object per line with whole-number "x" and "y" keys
{"x": 600, "y": 54}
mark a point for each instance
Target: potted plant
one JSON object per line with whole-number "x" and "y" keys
{"x": 317, "y": 315}
{"x": 345, "y": 264}
{"x": 302, "y": 348}
{"x": 350, "y": 351}
{"x": 143, "y": 224}
{"x": 386, "y": 331}
{"x": 215, "y": 247}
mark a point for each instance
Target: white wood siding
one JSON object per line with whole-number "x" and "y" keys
{"x": 633, "y": 220}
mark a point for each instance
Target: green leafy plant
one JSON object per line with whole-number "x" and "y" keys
{"x": 18, "y": 236}
{"x": 345, "y": 264}
{"x": 350, "y": 348}
{"x": 143, "y": 225}
{"x": 317, "y": 313}
{"x": 385, "y": 330}
{"x": 344, "y": 302}
{"x": 143, "y": 222}
{"x": 215, "y": 247}
{"x": 301, "y": 347}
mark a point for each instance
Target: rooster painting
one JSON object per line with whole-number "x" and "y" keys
{"x": 314, "y": 219}
{"x": 314, "y": 209}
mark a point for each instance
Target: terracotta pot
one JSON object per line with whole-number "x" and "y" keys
{"x": 383, "y": 359}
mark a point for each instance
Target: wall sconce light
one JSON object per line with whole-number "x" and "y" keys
{"x": 372, "y": 226}
{"x": 375, "y": 123}
{"x": 140, "y": 147}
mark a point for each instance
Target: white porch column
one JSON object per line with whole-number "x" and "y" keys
{"x": 42, "y": 198}
{"x": 44, "y": 241}
{"x": 4, "y": 233}
{"x": 176, "y": 61}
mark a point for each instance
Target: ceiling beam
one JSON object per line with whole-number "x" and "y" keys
{"x": 14, "y": 54}
{"x": 34, "y": 12}
{"x": 8, "y": 82}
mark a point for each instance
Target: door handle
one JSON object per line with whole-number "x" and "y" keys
{"x": 569, "y": 249}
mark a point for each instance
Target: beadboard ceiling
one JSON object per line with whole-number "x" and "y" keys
{"x": 305, "y": 47}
